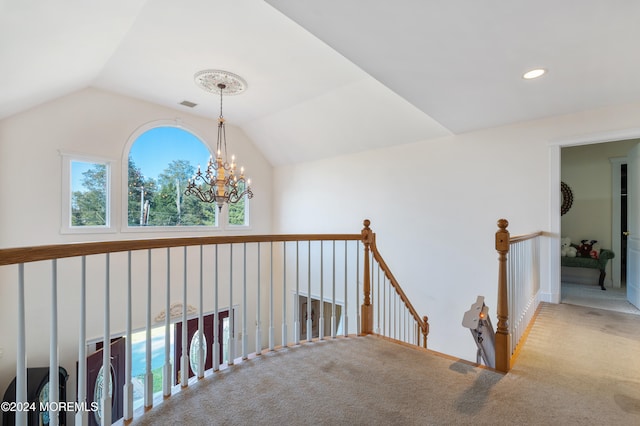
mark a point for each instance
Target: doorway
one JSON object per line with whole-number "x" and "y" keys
{"x": 600, "y": 213}
{"x": 327, "y": 314}
{"x": 95, "y": 378}
{"x": 623, "y": 228}
{"x": 193, "y": 343}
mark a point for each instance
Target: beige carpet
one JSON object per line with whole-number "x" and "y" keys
{"x": 579, "y": 366}
{"x": 614, "y": 299}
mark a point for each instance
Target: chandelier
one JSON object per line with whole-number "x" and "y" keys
{"x": 220, "y": 182}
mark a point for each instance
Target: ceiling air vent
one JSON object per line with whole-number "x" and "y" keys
{"x": 188, "y": 104}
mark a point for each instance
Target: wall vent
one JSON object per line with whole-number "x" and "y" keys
{"x": 188, "y": 104}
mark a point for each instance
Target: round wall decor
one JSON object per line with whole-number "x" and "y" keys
{"x": 567, "y": 198}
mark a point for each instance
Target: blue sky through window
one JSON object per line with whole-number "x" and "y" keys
{"x": 77, "y": 169}
{"x": 155, "y": 149}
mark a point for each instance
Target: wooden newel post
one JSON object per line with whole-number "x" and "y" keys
{"x": 367, "y": 311}
{"x": 503, "y": 339}
{"x": 425, "y": 331}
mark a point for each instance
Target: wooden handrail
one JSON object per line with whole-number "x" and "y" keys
{"x": 371, "y": 243}
{"x": 524, "y": 237}
{"x": 422, "y": 322}
{"x": 250, "y": 303}
{"x": 20, "y": 255}
{"x": 10, "y": 256}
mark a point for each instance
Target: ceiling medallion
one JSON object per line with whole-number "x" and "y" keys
{"x": 212, "y": 80}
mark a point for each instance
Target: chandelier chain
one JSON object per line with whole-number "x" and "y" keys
{"x": 220, "y": 183}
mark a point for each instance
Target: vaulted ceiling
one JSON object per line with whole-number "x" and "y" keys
{"x": 329, "y": 77}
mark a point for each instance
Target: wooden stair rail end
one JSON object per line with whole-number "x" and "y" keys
{"x": 367, "y": 309}
{"x": 502, "y": 342}
{"x": 369, "y": 241}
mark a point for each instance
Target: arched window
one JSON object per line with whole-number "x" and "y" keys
{"x": 160, "y": 162}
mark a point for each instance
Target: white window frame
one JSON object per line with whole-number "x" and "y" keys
{"x": 177, "y": 123}
{"x": 224, "y": 215}
{"x": 66, "y": 213}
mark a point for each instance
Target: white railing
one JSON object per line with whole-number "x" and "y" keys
{"x": 523, "y": 278}
{"x": 518, "y": 290}
{"x": 292, "y": 287}
{"x": 393, "y": 314}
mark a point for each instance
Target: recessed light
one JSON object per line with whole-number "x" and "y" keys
{"x": 538, "y": 72}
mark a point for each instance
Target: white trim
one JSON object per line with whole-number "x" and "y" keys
{"x": 601, "y": 137}
{"x": 222, "y": 217}
{"x": 124, "y": 208}
{"x": 67, "y": 157}
{"x": 317, "y": 297}
{"x": 553, "y": 293}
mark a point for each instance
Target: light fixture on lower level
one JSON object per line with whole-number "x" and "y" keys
{"x": 535, "y": 73}
{"x": 220, "y": 183}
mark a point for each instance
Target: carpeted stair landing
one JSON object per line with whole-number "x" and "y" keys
{"x": 578, "y": 366}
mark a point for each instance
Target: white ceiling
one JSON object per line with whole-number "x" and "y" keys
{"x": 389, "y": 73}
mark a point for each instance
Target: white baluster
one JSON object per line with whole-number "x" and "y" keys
{"x": 309, "y": 316}
{"x": 296, "y": 304}
{"x": 321, "y": 318}
{"x": 148, "y": 376}
{"x": 106, "y": 350}
{"x": 258, "y": 321}
{"x": 271, "y": 325}
{"x": 378, "y": 304}
{"x": 184, "y": 359}
{"x": 284, "y": 295}
{"x": 244, "y": 301}
{"x": 232, "y": 320}
{"x": 54, "y": 375}
{"x": 385, "y": 315}
{"x": 201, "y": 345}
{"x": 395, "y": 311}
{"x": 167, "y": 372}
{"x": 346, "y": 287}
{"x": 82, "y": 415}
{"x": 216, "y": 324}
{"x": 333, "y": 295}
{"x": 358, "y": 326}
{"x": 374, "y": 297}
{"x": 21, "y": 362}
{"x": 406, "y": 322}
{"x": 128, "y": 387}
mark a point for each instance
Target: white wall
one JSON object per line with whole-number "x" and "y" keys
{"x": 96, "y": 123}
{"x": 434, "y": 204}
{"x": 434, "y": 207}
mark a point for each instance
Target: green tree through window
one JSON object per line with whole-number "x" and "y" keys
{"x": 89, "y": 199}
{"x": 141, "y": 192}
{"x": 237, "y": 211}
{"x": 161, "y": 161}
